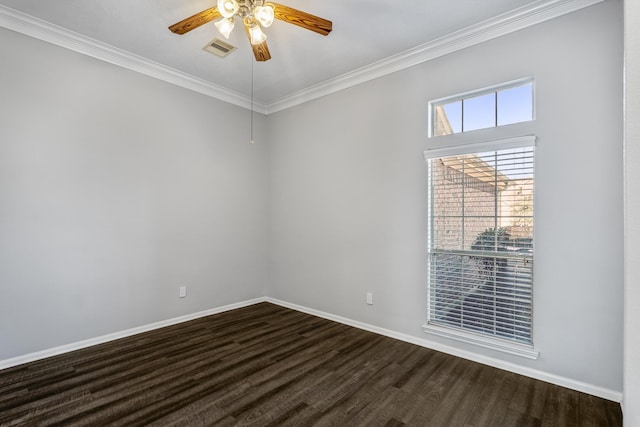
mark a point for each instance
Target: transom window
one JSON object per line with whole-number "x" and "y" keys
{"x": 497, "y": 106}
{"x": 480, "y": 249}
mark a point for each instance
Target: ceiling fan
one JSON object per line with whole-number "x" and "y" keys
{"x": 255, "y": 15}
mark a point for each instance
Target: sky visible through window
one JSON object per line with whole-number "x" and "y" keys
{"x": 496, "y": 108}
{"x": 514, "y": 163}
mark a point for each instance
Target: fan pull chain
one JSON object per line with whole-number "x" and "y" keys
{"x": 252, "y": 141}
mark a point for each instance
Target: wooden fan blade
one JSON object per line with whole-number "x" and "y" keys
{"x": 195, "y": 21}
{"x": 303, "y": 19}
{"x": 260, "y": 51}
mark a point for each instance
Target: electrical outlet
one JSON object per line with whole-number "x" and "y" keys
{"x": 183, "y": 292}
{"x": 370, "y": 298}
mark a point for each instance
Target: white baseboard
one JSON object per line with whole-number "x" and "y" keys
{"x": 31, "y": 357}
{"x": 496, "y": 363}
{"x": 602, "y": 392}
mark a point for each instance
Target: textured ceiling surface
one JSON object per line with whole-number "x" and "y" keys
{"x": 364, "y": 32}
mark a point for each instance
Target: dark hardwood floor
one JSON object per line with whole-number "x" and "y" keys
{"x": 267, "y": 365}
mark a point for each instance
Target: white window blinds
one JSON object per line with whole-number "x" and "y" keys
{"x": 481, "y": 239}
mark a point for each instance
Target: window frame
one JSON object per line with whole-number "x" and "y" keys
{"x": 480, "y": 92}
{"x": 467, "y": 336}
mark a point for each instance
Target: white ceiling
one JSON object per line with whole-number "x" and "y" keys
{"x": 369, "y": 38}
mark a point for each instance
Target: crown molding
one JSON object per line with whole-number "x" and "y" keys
{"x": 51, "y": 33}
{"x": 500, "y": 25}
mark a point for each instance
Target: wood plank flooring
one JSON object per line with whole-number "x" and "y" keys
{"x": 266, "y": 365}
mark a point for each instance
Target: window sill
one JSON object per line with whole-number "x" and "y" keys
{"x": 493, "y": 344}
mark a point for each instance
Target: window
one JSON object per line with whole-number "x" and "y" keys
{"x": 498, "y": 106}
{"x": 480, "y": 252}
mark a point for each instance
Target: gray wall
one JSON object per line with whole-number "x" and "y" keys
{"x": 116, "y": 188}
{"x": 347, "y": 192}
{"x": 632, "y": 215}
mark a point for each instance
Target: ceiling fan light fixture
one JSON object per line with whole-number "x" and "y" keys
{"x": 228, "y": 8}
{"x": 255, "y": 15}
{"x": 264, "y": 14}
{"x": 256, "y": 34}
{"x": 225, "y": 26}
